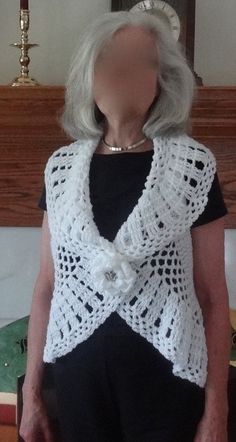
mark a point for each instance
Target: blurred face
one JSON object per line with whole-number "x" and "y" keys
{"x": 125, "y": 75}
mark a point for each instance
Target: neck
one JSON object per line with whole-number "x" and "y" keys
{"x": 120, "y": 133}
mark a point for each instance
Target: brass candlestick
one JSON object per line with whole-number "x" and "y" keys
{"x": 24, "y": 46}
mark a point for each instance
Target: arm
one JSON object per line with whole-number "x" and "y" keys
{"x": 211, "y": 290}
{"x": 39, "y": 315}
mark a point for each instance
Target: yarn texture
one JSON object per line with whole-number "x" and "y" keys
{"x": 146, "y": 273}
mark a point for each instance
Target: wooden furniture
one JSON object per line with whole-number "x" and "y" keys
{"x": 30, "y": 132}
{"x": 214, "y": 124}
{"x": 8, "y": 433}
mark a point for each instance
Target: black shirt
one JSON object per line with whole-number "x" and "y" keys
{"x": 116, "y": 183}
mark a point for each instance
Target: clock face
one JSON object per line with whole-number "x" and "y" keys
{"x": 162, "y": 10}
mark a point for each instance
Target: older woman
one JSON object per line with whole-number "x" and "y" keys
{"x": 130, "y": 305}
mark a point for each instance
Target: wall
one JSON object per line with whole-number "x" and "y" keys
{"x": 215, "y": 41}
{"x": 56, "y": 26}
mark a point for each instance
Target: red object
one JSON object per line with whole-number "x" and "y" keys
{"x": 24, "y": 4}
{"x": 8, "y": 414}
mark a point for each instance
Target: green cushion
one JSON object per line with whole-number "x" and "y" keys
{"x": 13, "y": 353}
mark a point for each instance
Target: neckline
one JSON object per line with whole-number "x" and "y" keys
{"x": 84, "y": 159}
{"x": 122, "y": 154}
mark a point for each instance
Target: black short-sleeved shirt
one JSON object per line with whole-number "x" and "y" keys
{"x": 116, "y": 183}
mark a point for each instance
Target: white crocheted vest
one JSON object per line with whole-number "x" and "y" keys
{"x": 146, "y": 273}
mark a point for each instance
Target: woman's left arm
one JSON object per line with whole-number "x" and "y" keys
{"x": 212, "y": 293}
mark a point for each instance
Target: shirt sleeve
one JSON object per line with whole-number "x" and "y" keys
{"x": 215, "y": 207}
{"x": 42, "y": 201}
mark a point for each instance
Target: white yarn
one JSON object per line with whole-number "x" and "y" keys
{"x": 146, "y": 273}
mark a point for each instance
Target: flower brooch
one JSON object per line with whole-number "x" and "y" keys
{"x": 112, "y": 273}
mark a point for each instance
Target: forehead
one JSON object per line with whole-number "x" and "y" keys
{"x": 132, "y": 38}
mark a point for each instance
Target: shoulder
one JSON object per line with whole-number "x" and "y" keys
{"x": 62, "y": 152}
{"x": 63, "y": 156}
{"x": 191, "y": 166}
{"x": 190, "y": 171}
{"x": 195, "y": 149}
{"x": 191, "y": 157}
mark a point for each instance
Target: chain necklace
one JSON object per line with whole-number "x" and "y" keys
{"x": 118, "y": 148}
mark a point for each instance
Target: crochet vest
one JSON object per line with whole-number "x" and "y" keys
{"x": 146, "y": 273}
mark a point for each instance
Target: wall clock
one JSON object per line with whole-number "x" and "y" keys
{"x": 164, "y": 11}
{"x": 178, "y": 14}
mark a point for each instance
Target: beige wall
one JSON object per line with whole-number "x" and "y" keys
{"x": 56, "y": 25}
{"x": 215, "y": 41}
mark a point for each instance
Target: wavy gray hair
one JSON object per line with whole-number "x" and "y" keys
{"x": 170, "y": 111}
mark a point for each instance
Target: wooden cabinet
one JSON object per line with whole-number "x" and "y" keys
{"x": 30, "y": 132}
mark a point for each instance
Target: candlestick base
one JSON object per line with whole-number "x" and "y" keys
{"x": 24, "y": 81}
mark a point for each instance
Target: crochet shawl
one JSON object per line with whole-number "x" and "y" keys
{"x": 146, "y": 273}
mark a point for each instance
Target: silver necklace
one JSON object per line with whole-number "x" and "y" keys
{"x": 118, "y": 148}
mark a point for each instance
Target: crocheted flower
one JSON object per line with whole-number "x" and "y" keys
{"x": 112, "y": 273}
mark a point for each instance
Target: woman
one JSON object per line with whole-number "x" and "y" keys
{"x": 131, "y": 297}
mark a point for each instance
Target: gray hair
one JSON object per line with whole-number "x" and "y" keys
{"x": 170, "y": 111}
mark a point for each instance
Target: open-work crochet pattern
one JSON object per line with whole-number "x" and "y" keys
{"x": 146, "y": 273}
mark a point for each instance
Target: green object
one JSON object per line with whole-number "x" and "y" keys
{"x": 233, "y": 354}
{"x": 13, "y": 353}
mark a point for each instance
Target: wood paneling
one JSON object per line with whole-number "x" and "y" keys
{"x": 8, "y": 433}
{"x": 29, "y": 133}
{"x": 214, "y": 124}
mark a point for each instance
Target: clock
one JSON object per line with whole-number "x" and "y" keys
{"x": 178, "y": 14}
{"x": 164, "y": 11}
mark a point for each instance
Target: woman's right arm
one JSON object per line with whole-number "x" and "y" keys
{"x": 39, "y": 316}
{"x": 35, "y": 424}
